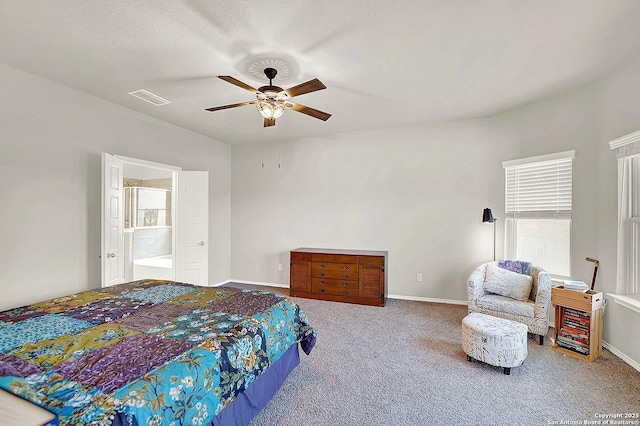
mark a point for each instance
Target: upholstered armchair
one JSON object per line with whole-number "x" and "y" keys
{"x": 505, "y": 294}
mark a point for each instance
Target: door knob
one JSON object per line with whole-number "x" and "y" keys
{"x": 201, "y": 243}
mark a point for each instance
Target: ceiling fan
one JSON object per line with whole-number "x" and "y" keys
{"x": 272, "y": 100}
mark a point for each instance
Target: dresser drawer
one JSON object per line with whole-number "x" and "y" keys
{"x": 329, "y": 282}
{"x": 371, "y": 260}
{"x": 339, "y": 274}
{"x": 300, "y": 256}
{"x": 322, "y": 257}
{"x": 347, "y": 267}
{"x": 334, "y": 258}
{"x": 343, "y": 258}
{"x": 341, "y": 291}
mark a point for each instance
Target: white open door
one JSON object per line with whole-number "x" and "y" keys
{"x": 192, "y": 230}
{"x": 112, "y": 256}
{"x": 190, "y": 222}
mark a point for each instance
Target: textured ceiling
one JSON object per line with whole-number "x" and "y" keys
{"x": 385, "y": 63}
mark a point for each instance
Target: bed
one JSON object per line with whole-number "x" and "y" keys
{"x": 153, "y": 352}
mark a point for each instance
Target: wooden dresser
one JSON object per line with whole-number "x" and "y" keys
{"x": 353, "y": 276}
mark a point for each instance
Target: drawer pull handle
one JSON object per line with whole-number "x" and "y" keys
{"x": 322, "y": 266}
{"x": 321, "y": 281}
{"x": 346, "y": 284}
{"x": 346, "y": 267}
{"x": 322, "y": 274}
{"x": 346, "y": 292}
{"x": 322, "y": 290}
{"x": 346, "y": 276}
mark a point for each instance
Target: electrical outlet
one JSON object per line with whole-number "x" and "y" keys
{"x": 280, "y": 267}
{"x": 418, "y": 277}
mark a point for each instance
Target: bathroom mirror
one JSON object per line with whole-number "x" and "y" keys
{"x": 147, "y": 207}
{"x": 153, "y": 207}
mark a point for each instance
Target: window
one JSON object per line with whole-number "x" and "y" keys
{"x": 628, "y": 268}
{"x": 538, "y": 211}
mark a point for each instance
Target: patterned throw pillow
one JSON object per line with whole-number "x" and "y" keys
{"x": 519, "y": 266}
{"x": 507, "y": 283}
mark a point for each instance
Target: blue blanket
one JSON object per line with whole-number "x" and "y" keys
{"x": 147, "y": 352}
{"x": 519, "y": 266}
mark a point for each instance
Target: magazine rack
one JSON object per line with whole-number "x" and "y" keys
{"x": 578, "y": 323}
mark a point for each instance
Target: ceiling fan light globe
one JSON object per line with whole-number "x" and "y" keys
{"x": 270, "y": 108}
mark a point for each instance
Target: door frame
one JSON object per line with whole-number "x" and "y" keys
{"x": 149, "y": 164}
{"x": 174, "y": 177}
{"x": 195, "y": 208}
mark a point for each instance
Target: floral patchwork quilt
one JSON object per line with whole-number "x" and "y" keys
{"x": 147, "y": 352}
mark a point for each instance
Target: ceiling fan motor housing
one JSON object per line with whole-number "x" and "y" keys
{"x": 270, "y": 73}
{"x": 267, "y": 90}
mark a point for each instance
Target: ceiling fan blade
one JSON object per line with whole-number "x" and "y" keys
{"x": 302, "y": 88}
{"x": 237, "y": 82}
{"x": 311, "y": 111}
{"x": 268, "y": 122}
{"x": 230, "y": 106}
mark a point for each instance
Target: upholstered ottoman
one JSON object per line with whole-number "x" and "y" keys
{"x": 496, "y": 341}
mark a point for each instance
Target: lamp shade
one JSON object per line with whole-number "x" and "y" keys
{"x": 487, "y": 216}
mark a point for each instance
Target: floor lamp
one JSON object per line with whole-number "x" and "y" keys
{"x": 487, "y": 216}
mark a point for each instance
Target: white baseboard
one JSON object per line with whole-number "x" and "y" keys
{"x": 390, "y": 296}
{"x": 220, "y": 283}
{"x": 279, "y": 285}
{"x": 621, "y": 355}
{"x": 605, "y": 345}
{"x": 427, "y": 299}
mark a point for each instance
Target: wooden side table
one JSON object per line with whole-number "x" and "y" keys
{"x": 578, "y": 323}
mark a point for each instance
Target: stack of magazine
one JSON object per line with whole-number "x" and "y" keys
{"x": 574, "y": 331}
{"x": 575, "y": 285}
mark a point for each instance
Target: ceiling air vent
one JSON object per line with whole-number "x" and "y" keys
{"x": 149, "y": 97}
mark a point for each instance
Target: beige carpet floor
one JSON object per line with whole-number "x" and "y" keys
{"x": 403, "y": 365}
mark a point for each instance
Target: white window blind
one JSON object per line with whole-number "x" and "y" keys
{"x": 628, "y": 259}
{"x": 538, "y": 211}
{"x": 542, "y": 187}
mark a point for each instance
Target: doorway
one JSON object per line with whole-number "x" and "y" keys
{"x": 154, "y": 222}
{"x": 148, "y": 225}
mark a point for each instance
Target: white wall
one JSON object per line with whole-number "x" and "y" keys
{"x": 562, "y": 122}
{"x": 619, "y": 116}
{"x": 585, "y": 119}
{"x": 51, "y": 138}
{"x": 417, "y": 192}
